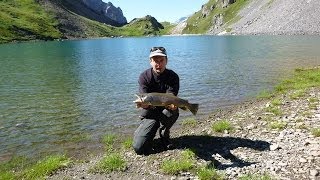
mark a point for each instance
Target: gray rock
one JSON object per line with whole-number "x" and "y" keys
{"x": 314, "y": 172}
{"x": 274, "y": 147}
{"x": 107, "y": 10}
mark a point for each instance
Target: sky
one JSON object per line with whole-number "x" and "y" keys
{"x": 162, "y": 10}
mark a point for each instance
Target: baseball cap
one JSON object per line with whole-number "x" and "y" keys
{"x": 157, "y": 51}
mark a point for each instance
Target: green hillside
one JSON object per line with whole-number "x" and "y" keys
{"x": 200, "y": 23}
{"x": 25, "y": 20}
{"x": 144, "y": 27}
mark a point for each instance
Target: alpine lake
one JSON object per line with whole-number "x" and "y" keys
{"x": 64, "y": 96}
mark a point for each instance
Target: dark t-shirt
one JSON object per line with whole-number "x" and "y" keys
{"x": 166, "y": 82}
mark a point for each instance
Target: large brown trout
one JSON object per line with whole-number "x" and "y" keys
{"x": 165, "y": 99}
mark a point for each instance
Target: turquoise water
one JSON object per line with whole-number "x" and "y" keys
{"x": 64, "y": 96}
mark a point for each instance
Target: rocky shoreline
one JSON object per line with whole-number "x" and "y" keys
{"x": 263, "y": 141}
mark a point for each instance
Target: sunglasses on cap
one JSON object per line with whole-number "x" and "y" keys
{"x": 158, "y": 48}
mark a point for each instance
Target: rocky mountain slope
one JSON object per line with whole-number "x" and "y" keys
{"x": 96, "y": 10}
{"x": 254, "y": 17}
{"x": 279, "y": 17}
{"x": 72, "y": 23}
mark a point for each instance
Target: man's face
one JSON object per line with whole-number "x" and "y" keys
{"x": 158, "y": 63}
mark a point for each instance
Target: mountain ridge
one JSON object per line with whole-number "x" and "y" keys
{"x": 69, "y": 19}
{"x": 244, "y": 17}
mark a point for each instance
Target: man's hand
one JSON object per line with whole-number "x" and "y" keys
{"x": 172, "y": 107}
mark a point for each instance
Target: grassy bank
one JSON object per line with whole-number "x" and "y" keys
{"x": 22, "y": 168}
{"x": 302, "y": 80}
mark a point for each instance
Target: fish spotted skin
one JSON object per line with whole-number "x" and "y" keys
{"x": 165, "y": 99}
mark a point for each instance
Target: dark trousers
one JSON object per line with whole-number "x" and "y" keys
{"x": 145, "y": 133}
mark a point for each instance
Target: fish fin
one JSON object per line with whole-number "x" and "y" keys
{"x": 183, "y": 108}
{"x": 138, "y": 100}
{"x": 193, "y": 108}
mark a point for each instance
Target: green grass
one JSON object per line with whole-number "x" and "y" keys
{"x": 221, "y": 126}
{"x": 12, "y": 168}
{"x": 265, "y": 94}
{"x": 274, "y": 110}
{"x": 141, "y": 27}
{"x": 255, "y": 177}
{"x": 297, "y": 94}
{"x": 111, "y": 162}
{"x": 278, "y": 125}
{"x": 167, "y": 28}
{"x": 313, "y": 100}
{"x": 189, "y": 122}
{"x": 127, "y": 143}
{"x": 208, "y": 173}
{"x": 197, "y": 24}
{"x": 231, "y": 12}
{"x": 109, "y": 140}
{"x": 46, "y": 167}
{"x": 302, "y": 79}
{"x": 24, "y": 20}
{"x": 184, "y": 163}
{"x": 22, "y": 168}
{"x": 276, "y": 102}
{"x": 316, "y": 132}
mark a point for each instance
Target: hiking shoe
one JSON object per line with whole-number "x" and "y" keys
{"x": 167, "y": 143}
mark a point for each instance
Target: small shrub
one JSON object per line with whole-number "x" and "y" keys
{"x": 221, "y": 126}
{"x": 316, "y": 132}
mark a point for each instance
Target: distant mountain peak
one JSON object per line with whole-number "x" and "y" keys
{"x": 107, "y": 10}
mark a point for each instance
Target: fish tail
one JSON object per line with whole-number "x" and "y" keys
{"x": 193, "y": 108}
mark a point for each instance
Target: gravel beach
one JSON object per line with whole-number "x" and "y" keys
{"x": 287, "y": 150}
